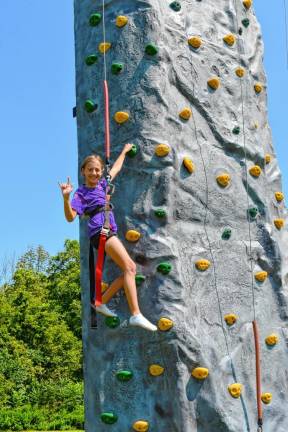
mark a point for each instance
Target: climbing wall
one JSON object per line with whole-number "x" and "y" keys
{"x": 200, "y": 210}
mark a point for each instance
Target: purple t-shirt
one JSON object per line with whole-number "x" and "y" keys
{"x": 86, "y": 199}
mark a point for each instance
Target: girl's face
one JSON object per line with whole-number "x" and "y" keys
{"x": 92, "y": 172}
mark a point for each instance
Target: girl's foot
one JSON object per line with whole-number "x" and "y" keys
{"x": 140, "y": 321}
{"x": 104, "y": 310}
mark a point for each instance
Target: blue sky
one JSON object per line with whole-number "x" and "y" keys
{"x": 38, "y": 133}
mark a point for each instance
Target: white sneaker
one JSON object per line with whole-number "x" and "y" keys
{"x": 104, "y": 310}
{"x": 140, "y": 321}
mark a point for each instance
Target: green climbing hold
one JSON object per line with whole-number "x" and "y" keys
{"x": 116, "y": 68}
{"x": 176, "y": 6}
{"x": 124, "y": 375}
{"x": 164, "y": 268}
{"x": 236, "y": 130}
{"x": 90, "y": 106}
{"x": 151, "y": 49}
{"x": 112, "y": 322}
{"x": 246, "y": 22}
{"x": 109, "y": 417}
{"x": 133, "y": 151}
{"x": 226, "y": 234}
{"x": 139, "y": 278}
{"x": 252, "y": 212}
{"x": 95, "y": 19}
{"x": 91, "y": 59}
{"x": 160, "y": 213}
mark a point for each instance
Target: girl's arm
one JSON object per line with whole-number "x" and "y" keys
{"x": 116, "y": 168}
{"x": 66, "y": 189}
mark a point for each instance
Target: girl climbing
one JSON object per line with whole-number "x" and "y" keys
{"x": 88, "y": 196}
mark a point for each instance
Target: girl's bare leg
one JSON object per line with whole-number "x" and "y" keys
{"x": 115, "y": 286}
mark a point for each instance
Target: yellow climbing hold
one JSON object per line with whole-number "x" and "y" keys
{"x": 279, "y": 223}
{"x": 279, "y": 196}
{"x": 261, "y": 276}
{"x": 267, "y": 158}
{"x": 258, "y": 88}
{"x": 195, "y": 42}
{"x": 272, "y": 339}
{"x": 230, "y": 319}
{"x": 229, "y": 39}
{"x": 188, "y": 164}
{"x": 104, "y": 47}
{"x": 165, "y": 324}
{"x": 202, "y": 264}
{"x": 162, "y": 150}
{"x": 121, "y": 21}
{"x": 156, "y": 370}
{"x": 266, "y": 398}
{"x": 141, "y": 426}
{"x": 255, "y": 171}
{"x": 200, "y": 373}
{"x": 235, "y": 390}
{"x": 185, "y": 114}
{"x": 121, "y": 117}
{"x": 104, "y": 286}
{"x": 132, "y": 235}
{"x": 247, "y": 3}
{"x": 223, "y": 179}
{"x": 214, "y": 83}
{"x": 240, "y": 72}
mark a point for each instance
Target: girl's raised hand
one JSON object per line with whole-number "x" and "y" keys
{"x": 127, "y": 148}
{"x": 66, "y": 188}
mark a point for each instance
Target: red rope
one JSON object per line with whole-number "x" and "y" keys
{"x": 107, "y": 128}
{"x": 258, "y": 372}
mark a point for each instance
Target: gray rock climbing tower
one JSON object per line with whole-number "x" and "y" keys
{"x": 187, "y": 87}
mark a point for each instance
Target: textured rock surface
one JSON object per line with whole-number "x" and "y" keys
{"x": 154, "y": 90}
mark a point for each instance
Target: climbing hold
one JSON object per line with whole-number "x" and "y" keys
{"x": 164, "y": 268}
{"x": 240, "y": 31}
{"x": 258, "y": 88}
{"x": 255, "y": 125}
{"x": 195, "y": 42}
{"x": 151, "y": 49}
{"x": 132, "y": 235}
{"x": 95, "y": 19}
{"x": 261, "y": 276}
{"x": 200, "y": 373}
{"x": 162, "y": 150}
{"x": 247, "y": 3}
{"x": 121, "y": 21}
{"x": 267, "y": 158}
{"x": 236, "y": 130}
{"x": 104, "y": 47}
{"x": 255, "y": 171}
{"x": 235, "y": 390}
{"x": 133, "y": 151}
{"x": 202, "y": 264}
{"x": 252, "y": 212}
{"x": 165, "y": 324}
{"x": 121, "y": 117}
{"x": 279, "y": 196}
{"x": 266, "y": 398}
{"x": 230, "y": 319}
{"x": 185, "y": 114}
{"x": 124, "y": 375}
{"x": 104, "y": 286}
{"x": 226, "y": 234}
{"x": 156, "y": 370}
{"x": 112, "y": 322}
{"x": 116, "y": 68}
{"x": 223, "y": 179}
{"x": 188, "y": 164}
{"x": 141, "y": 426}
{"x": 213, "y": 83}
{"x": 246, "y": 22}
{"x": 279, "y": 223}
{"x": 90, "y": 105}
{"x": 109, "y": 417}
{"x": 91, "y": 59}
{"x": 229, "y": 39}
{"x": 240, "y": 72}
{"x": 160, "y": 213}
{"x": 139, "y": 279}
{"x": 272, "y": 339}
{"x": 176, "y": 6}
